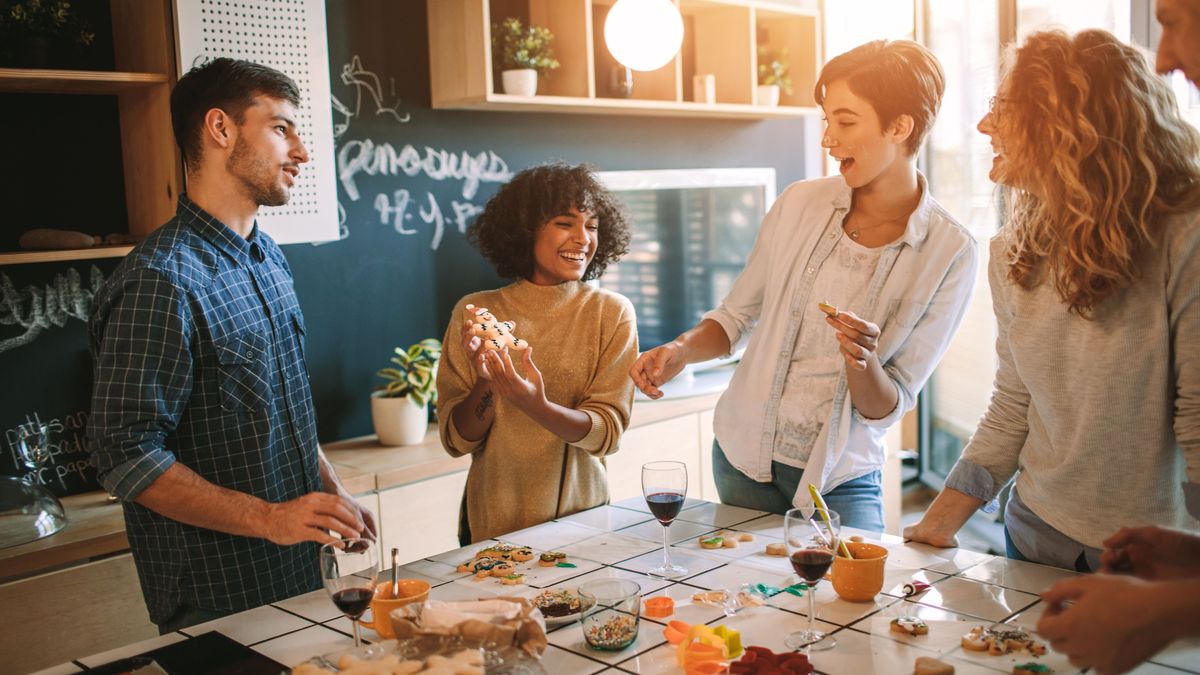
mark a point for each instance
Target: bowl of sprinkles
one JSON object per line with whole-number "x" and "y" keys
{"x": 611, "y": 612}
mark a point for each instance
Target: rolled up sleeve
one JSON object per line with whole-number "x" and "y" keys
{"x": 912, "y": 364}
{"x": 143, "y": 379}
{"x": 608, "y": 401}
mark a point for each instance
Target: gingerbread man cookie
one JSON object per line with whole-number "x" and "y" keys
{"x": 496, "y": 334}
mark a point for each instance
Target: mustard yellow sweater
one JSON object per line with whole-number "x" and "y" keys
{"x": 584, "y": 342}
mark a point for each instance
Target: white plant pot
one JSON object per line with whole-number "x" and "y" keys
{"x": 398, "y": 421}
{"x": 521, "y": 82}
{"x": 768, "y": 95}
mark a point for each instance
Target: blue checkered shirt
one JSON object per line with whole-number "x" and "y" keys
{"x": 198, "y": 347}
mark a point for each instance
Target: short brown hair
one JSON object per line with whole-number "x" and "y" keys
{"x": 225, "y": 83}
{"x": 897, "y": 77}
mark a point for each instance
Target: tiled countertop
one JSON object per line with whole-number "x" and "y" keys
{"x": 96, "y": 527}
{"x": 623, "y": 540}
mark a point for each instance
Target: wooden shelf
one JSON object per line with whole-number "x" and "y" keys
{"x": 34, "y": 81}
{"x": 622, "y": 106}
{"x": 721, "y": 38}
{"x": 144, "y": 55}
{"x": 23, "y": 257}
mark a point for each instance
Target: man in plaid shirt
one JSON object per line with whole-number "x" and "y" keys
{"x": 202, "y": 417}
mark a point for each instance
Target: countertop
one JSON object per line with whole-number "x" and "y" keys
{"x": 96, "y": 527}
{"x": 623, "y": 540}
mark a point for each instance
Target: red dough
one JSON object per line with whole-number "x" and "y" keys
{"x": 763, "y": 661}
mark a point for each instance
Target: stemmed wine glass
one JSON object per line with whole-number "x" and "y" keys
{"x": 349, "y": 569}
{"x": 33, "y": 445}
{"x": 812, "y": 542}
{"x": 664, "y": 485}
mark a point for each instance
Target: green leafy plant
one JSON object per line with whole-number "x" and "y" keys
{"x": 43, "y": 18}
{"x": 414, "y": 374}
{"x": 523, "y": 48}
{"x": 774, "y": 68}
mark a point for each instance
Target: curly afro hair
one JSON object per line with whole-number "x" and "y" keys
{"x": 506, "y": 230}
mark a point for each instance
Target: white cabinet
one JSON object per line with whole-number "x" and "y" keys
{"x": 673, "y": 439}
{"x": 708, "y": 486}
{"x": 421, "y": 519}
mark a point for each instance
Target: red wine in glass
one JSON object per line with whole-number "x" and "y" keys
{"x": 811, "y": 536}
{"x": 349, "y": 569}
{"x": 812, "y": 564}
{"x": 353, "y": 601}
{"x": 663, "y": 485}
{"x": 665, "y": 505}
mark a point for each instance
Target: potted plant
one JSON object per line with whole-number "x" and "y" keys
{"x": 773, "y": 75}
{"x": 399, "y": 408}
{"x": 30, "y": 27}
{"x": 523, "y": 54}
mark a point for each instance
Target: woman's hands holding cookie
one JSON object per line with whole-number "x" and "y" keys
{"x": 857, "y": 338}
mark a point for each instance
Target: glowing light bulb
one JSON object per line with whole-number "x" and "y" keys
{"x": 643, "y": 34}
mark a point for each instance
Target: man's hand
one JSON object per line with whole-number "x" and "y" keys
{"x": 1154, "y": 553}
{"x": 1104, "y": 622}
{"x": 307, "y": 518}
{"x": 657, "y": 367}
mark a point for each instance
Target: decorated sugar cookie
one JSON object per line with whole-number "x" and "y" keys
{"x": 496, "y": 334}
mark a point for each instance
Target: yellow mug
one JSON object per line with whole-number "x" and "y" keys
{"x": 860, "y": 579}
{"x": 384, "y": 601}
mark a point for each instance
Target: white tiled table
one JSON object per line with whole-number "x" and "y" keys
{"x": 623, "y": 540}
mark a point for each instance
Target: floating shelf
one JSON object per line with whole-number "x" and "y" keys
{"x": 33, "y": 81}
{"x": 618, "y": 106}
{"x": 23, "y": 257}
{"x": 721, "y": 38}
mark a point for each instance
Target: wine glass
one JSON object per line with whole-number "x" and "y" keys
{"x": 664, "y": 485}
{"x": 812, "y": 540}
{"x": 349, "y": 569}
{"x": 33, "y": 445}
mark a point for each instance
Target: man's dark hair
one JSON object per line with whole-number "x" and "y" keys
{"x": 506, "y": 230}
{"x": 228, "y": 84}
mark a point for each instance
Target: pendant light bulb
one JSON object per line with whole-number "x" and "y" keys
{"x": 643, "y": 34}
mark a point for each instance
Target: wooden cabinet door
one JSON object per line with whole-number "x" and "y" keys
{"x": 55, "y": 617}
{"x": 674, "y": 439}
{"x": 421, "y": 519}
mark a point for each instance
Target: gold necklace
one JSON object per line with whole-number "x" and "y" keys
{"x": 854, "y": 234}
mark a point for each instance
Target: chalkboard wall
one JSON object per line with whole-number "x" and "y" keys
{"x": 410, "y": 178}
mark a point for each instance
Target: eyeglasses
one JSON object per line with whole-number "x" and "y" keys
{"x": 994, "y": 105}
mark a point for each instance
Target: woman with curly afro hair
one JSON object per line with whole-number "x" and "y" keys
{"x": 537, "y": 442}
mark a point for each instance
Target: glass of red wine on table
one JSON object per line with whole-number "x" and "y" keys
{"x": 664, "y": 484}
{"x": 349, "y": 570}
{"x": 812, "y": 540}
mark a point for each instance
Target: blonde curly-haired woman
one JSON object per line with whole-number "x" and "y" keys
{"x": 1095, "y": 283}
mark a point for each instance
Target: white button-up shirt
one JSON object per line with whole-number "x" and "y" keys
{"x": 918, "y": 296}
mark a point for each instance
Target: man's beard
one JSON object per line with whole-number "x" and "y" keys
{"x": 256, "y": 176}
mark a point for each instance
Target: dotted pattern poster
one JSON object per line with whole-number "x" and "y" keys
{"x": 288, "y": 35}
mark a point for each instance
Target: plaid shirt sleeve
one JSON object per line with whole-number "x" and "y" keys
{"x": 143, "y": 371}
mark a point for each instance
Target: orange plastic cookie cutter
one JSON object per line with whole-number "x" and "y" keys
{"x": 659, "y": 607}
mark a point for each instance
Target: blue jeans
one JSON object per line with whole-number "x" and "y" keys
{"x": 859, "y": 502}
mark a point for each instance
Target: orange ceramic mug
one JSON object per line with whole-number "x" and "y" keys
{"x": 860, "y": 579}
{"x": 411, "y": 590}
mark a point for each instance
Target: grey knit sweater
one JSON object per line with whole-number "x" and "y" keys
{"x": 1100, "y": 417}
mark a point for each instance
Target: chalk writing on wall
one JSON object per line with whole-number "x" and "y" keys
{"x": 69, "y": 460}
{"x": 400, "y": 207}
{"x": 33, "y": 309}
